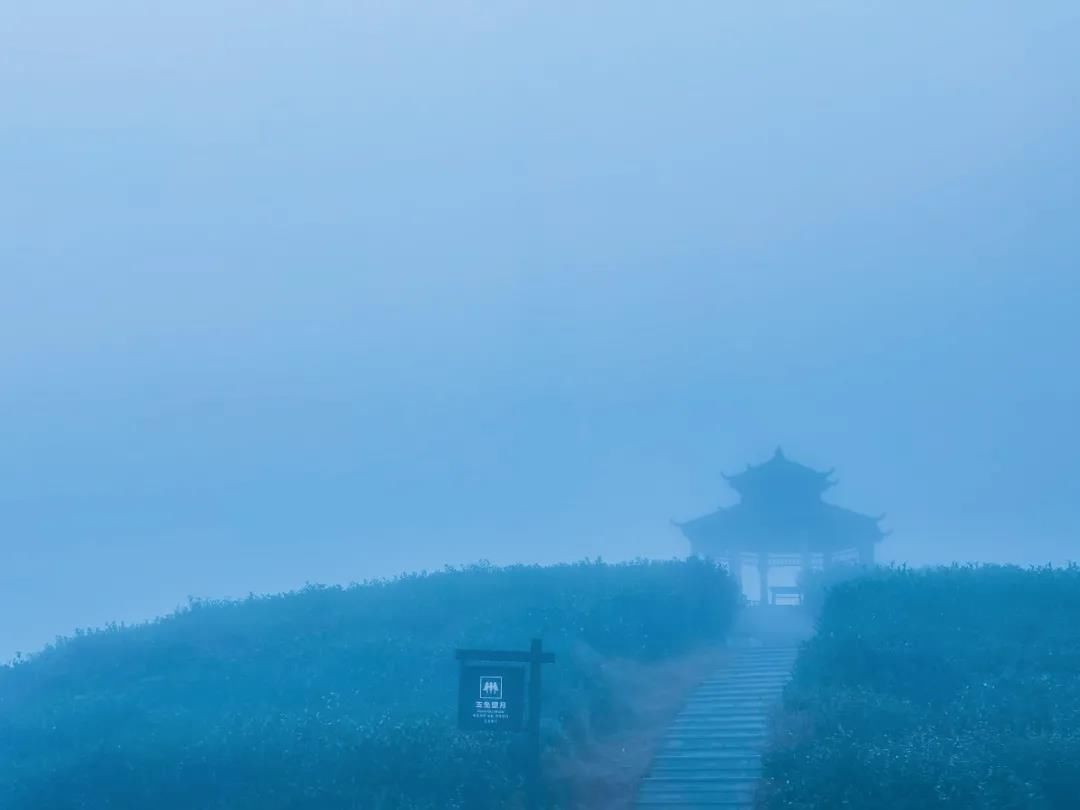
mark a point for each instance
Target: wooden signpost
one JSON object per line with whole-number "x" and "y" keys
{"x": 492, "y": 697}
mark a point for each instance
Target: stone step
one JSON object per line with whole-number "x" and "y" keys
{"x": 713, "y": 729}
{"x": 706, "y": 764}
{"x": 741, "y": 745}
{"x": 712, "y": 742}
{"x": 688, "y": 791}
{"x": 715, "y": 768}
{"x": 705, "y": 757}
{"x": 690, "y": 803}
{"x": 750, "y": 689}
{"x": 737, "y": 689}
{"x": 746, "y": 752}
{"x": 723, "y": 715}
{"x": 719, "y": 732}
{"x": 682, "y": 793}
{"x": 683, "y": 729}
{"x": 759, "y": 653}
{"x": 706, "y": 782}
{"x": 695, "y": 804}
{"x": 711, "y": 754}
{"x": 776, "y": 665}
{"x": 701, "y": 788}
{"x": 750, "y": 777}
{"x": 680, "y": 725}
{"x": 753, "y": 664}
{"x": 762, "y": 709}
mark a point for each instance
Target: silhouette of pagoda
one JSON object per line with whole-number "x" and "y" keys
{"x": 781, "y": 520}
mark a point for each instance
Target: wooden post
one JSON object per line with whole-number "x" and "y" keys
{"x": 535, "y": 786}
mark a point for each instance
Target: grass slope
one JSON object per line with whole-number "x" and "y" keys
{"x": 953, "y": 687}
{"x": 336, "y": 698}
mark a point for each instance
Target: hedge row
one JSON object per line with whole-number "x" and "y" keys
{"x": 955, "y": 687}
{"x": 333, "y": 697}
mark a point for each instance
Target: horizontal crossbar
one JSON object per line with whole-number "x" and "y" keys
{"x": 523, "y": 657}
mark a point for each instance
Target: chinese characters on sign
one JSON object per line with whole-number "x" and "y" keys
{"x": 491, "y": 697}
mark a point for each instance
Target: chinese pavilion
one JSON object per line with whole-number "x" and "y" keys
{"x": 781, "y": 520}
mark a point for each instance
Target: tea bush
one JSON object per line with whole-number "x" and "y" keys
{"x": 955, "y": 687}
{"x": 334, "y": 697}
{"x": 817, "y": 583}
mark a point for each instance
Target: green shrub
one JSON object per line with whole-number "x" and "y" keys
{"x": 333, "y": 697}
{"x": 952, "y": 687}
{"x": 817, "y": 583}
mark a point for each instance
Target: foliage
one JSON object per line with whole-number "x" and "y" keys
{"x": 333, "y": 697}
{"x": 949, "y": 687}
{"x": 816, "y": 583}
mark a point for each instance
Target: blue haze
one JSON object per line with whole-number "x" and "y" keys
{"x": 319, "y": 291}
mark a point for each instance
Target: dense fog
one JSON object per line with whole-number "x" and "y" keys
{"x": 322, "y": 291}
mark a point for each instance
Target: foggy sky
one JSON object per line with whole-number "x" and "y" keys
{"x": 320, "y": 291}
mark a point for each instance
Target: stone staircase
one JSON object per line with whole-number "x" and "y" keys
{"x": 711, "y": 755}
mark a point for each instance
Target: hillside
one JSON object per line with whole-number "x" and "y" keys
{"x": 338, "y": 697}
{"x": 950, "y": 687}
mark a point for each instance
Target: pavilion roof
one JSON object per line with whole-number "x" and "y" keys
{"x": 781, "y": 510}
{"x": 826, "y": 527}
{"x": 780, "y": 477}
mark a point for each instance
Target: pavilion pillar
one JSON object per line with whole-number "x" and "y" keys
{"x": 866, "y": 554}
{"x": 763, "y": 576}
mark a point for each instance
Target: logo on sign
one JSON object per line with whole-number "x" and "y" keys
{"x": 491, "y": 687}
{"x": 491, "y": 698}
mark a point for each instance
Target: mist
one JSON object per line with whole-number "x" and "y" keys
{"x": 321, "y": 292}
